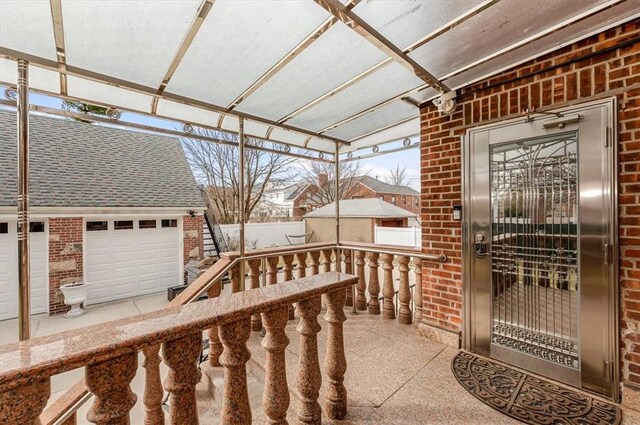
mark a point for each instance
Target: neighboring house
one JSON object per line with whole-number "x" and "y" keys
{"x": 358, "y": 218}
{"x": 281, "y": 200}
{"x": 117, "y": 209}
{"x": 366, "y": 187}
{"x": 401, "y": 196}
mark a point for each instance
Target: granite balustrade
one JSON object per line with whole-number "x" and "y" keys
{"x": 109, "y": 354}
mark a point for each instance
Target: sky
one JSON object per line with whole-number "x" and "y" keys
{"x": 378, "y": 167}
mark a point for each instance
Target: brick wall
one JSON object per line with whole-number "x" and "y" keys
{"x": 193, "y": 240}
{"x": 65, "y": 258}
{"x": 607, "y": 64}
{"x": 363, "y": 191}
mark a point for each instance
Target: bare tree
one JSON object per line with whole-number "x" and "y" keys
{"x": 321, "y": 178}
{"x": 398, "y": 176}
{"x": 216, "y": 167}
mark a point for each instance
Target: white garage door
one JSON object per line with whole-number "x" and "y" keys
{"x": 9, "y": 268}
{"x": 125, "y": 258}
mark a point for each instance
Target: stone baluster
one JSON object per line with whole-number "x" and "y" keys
{"x": 254, "y": 278}
{"x": 348, "y": 265}
{"x": 348, "y": 269}
{"x": 315, "y": 263}
{"x": 234, "y": 276}
{"x": 374, "y": 283}
{"x": 301, "y": 259}
{"x": 109, "y": 381}
{"x": 388, "y": 291}
{"x": 338, "y": 255}
{"x": 404, "y": 292}
{"x": 235, "y": 399}
{"x": 288, "y": 275}
{"x": 326, "y": 260}
{"x": 181, "y": 356}
{"x": 309, "y": 376}
{"x": 361, "y": 286}
{"x": 22, "y": 404}
{"x": 335, "y": 364}
{"x": 272, "y": 270}
{"x": 215, "y": 347}
{"x": 153, "y": 392}
{"x": 417, "y": 291}
{"x": 275, "y": 398}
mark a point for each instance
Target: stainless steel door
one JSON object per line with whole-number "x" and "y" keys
{"x": 539, "y": 259}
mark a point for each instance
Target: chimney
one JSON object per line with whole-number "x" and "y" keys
{"x": 323, "y": 179}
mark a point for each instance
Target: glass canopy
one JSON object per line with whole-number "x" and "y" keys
{"x": 305, "y": 73}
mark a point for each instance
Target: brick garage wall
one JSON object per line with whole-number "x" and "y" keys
{"x": 65, "y": 258}
{"x": 193, "y": 240}
{"x": 607, "y": 64}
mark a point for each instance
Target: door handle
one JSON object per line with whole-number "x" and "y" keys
{"x": 481, "y": 245}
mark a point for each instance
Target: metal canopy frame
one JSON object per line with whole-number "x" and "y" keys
{"x": 340, "y": 13}
{"x": 346, "y": 13}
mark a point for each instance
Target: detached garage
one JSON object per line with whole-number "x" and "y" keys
{"x": 117, "y": 209}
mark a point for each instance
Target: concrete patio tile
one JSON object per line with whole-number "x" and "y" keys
{"x": 9, "y": 328}
{"x": 439, "y": 404}
{"x": 151, "y": 302}
{"x": 96, "y": 314}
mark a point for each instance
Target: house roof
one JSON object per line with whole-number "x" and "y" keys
{"x": 382, "y": 187}
{"x": 365, "y": 207}
{"x": 76, "y": 164}
{"x": 293, "y": 191}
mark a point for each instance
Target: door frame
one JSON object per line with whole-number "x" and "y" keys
{"x": 476, "y": 297}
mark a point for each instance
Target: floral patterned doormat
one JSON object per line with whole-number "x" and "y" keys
{"x": 528, "y": 398}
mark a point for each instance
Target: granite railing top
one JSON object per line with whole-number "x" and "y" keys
{"x": 45, "y": 356}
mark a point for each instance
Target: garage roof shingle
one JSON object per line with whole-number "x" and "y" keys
{"x": 76, "y": 164}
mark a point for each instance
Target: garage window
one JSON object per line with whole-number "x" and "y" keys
{"x": 36, "y": 227}
{"x": 94, "y": 226}
{"x": 123, "y": 225}
{"x": 4, "y": 228}
{"x": 170, "y": 223}
{"x": 147, "y": 224}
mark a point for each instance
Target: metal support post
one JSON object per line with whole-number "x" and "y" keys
{"x": 337, "y": 189}
{"x": 241, "y": 206}
{"x": 24, "y": 296}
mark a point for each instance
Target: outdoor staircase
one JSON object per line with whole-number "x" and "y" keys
{"x": 214, "y": 242}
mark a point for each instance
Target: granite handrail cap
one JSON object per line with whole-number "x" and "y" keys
{"x": 53, "y": 354}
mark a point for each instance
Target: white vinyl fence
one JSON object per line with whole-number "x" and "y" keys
{"x": 266, "y": 235}
{"x": 410, "y": 236}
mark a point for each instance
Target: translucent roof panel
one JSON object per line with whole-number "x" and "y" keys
{"x": 398, "y": 132}
{"x": 26, "y": 26}
{"x": 384, "y": 84}
{"x": 610, "y": 17}
{"x": 136, "y": 43}
{"x": 238, "y": 42}
{"x": 405, "y": 21}
{"x": 107, "y": 94}
{"x": 290, "y": 137}
{"x": 503, "y": 24}
{"x": 39, "y": 78}
{"x": 187, "y": 113}
{"x": 322, "y": 145}
{"x": 333, "y": 59}
{"x": 386, "y": 115}
{"x": 255, "y": 128}
{"x": 339, "y": 75}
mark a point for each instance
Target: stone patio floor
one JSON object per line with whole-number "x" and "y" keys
{"x": 394, "y": 375}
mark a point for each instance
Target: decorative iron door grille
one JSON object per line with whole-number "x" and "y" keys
{"x": 534, "y": 230}
{"x": 539, "y": 244}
